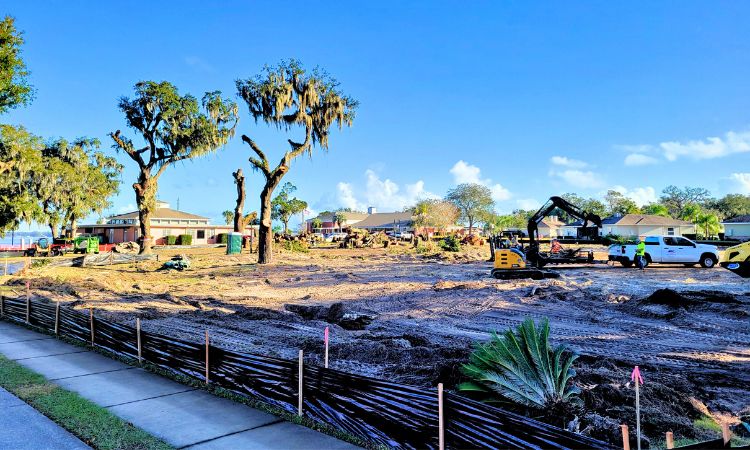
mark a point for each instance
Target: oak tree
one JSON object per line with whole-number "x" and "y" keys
{"x": 474, "y": 202}
{"x": 288, "y": 96}
{"x": 173, "y": 128}
{"x": 283, "y": 206}
{"x": 15, "y": 89}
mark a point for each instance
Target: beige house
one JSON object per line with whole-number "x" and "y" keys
{"x": 645, "y": 225}
{"x": 164, "y": 222}
{"x": 737, "y": 228}
{"x": 550, "y": 227}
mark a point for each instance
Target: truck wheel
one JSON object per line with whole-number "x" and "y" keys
{"x": 626, "y": 263}
{"x": 708, "y": 261}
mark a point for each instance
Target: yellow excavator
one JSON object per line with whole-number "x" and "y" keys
{"x": 513, "y": 263}
{"x": 737, "y": 259}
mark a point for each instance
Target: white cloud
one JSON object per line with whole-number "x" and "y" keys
{"x": 564, "y": 161}
{"x": 346, "y": 197}
{"x": 640, "y": 195}
{"x": 584, "y": 179}
{"x": 528, "y": 203}
{"x": 464, "y": 172}
{"x": 384, "y": 194}
{"x": 740, "y": 182}
{"x": 639, "y": 159}
{"x": 712, "y": 147}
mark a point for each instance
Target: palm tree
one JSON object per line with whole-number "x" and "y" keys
{"x": 339, "y": 218}
{"x": 228, "y": 217}
{"x": 316, "y": 224}
{"x": 521, "y": 367}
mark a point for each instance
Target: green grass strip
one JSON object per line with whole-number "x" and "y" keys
{"x": 93, "y": 424}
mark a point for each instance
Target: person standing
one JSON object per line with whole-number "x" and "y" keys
{"x": 640, "y": 254}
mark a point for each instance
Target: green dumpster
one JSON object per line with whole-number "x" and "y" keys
{"x": 234, "y": 243}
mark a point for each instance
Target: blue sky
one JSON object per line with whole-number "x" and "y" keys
{"x": 532, "y": 100}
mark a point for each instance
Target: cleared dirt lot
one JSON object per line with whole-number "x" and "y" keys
{"x": 693, "y": 345}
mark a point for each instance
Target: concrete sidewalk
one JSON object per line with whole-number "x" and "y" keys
{"x": 183, "y": 416}
{"x": 24, "y": 428}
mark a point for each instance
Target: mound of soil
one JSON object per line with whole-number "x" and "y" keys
{"x": 689, "y": 299}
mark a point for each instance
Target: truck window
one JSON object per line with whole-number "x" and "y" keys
{"x": 669, "y": 241}
{"x": 652, "y": 240}
{"x": 683, "y": 242}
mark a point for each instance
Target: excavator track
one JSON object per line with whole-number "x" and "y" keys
{"x": 520, "y": 274}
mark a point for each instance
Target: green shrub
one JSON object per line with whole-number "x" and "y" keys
{"x": 521, "y": 367}
{"x": 451, "y": 244}
{"x": 171, "y": 240}
{"x": 295, "y": 246}
{"x": 185, "y": 239}
{"x": 426, "y": 247}
{"x": 222, "y": 238}
{"x": 617, "y": 239}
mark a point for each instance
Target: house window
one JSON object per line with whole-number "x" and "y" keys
{"x": 670, "y": 231}
{"x": 88, "y": 230}
{"x": 201, "y": 234}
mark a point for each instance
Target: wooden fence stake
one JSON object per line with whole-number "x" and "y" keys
{"x": 725, "y": 433}
{"x": 670, "y": 439}
{"x": 57, "y": 318}
{"x": 326, "y": 337}
{"x": 299, "y": 387}
{"x": 28, "y": 302}
{"x": 441, "y": 418}
{"x": 206, "y": 356}
{"x": 91, "y": 322}
{"x": 138, "y": 338}
{"x": 625, "y": 437}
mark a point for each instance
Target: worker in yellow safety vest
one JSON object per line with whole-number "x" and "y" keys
{"x": 640, "y": 253}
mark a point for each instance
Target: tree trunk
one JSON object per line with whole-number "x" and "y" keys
{"x": 145, "y": 198}
{"x": 471, "y": 226}
{"x": 239, "y": 180}
{"x": 265, "y": 235}
{"x": 286, "y": 227}
{"x": 53, "y": 228}
{"x": 73, "y": 227}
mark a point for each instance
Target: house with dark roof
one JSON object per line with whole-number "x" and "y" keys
{"x": 165, "y": 221}
{"x": 637, "y": 225}
{"x": 737, "y": 227}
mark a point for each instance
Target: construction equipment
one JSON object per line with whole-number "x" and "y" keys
{"x": 86, "y": 244}
{"x": 537, "y": 258}
{"x": 515, "y": 262}
{"x": 43, "y": 247}
{"x": 510, "y": 264}
{"x": 737, "y": 259}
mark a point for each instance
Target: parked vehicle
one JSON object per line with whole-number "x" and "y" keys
{"x": 667, "y": 250}
{"x": 335, "y": 237}
{"x": 48, "y": 247}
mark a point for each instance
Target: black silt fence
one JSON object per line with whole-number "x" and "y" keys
{"x": 387, "y": 414}
{"x": 270, "y": 380}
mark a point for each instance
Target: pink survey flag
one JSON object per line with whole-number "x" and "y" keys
{"x": 636, "y": 375}
{"x": 326, "y": 335}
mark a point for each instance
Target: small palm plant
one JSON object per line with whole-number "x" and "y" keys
{"x": 522, "y": 367}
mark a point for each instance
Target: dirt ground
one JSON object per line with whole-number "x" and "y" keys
{"x": 692, "y": 340}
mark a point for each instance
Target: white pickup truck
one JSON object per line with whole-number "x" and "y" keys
{"x": 667, "y": 250}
